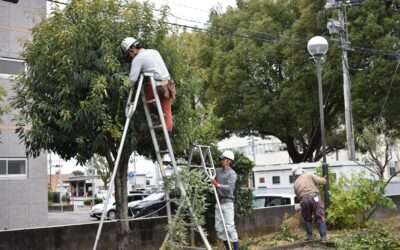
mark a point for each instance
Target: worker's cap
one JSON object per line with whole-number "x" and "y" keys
{"x": 127, "y": 43}
{"x": 227, "y": 154}
{"x": 297, "y": 170}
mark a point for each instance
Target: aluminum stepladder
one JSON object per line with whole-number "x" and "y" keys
{"x": 129, "y": 111}
{"x": 170, "y": 152}
{"x": 207, "y": 165}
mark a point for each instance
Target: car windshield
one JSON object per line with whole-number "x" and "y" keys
{"x": 154, "y": 197}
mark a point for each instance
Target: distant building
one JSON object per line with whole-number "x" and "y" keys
{"x": 269, "y": 150}
{"x": 273, "y": 163}
{"x": 23, "y": 180}
{"x": 278, "y": 179}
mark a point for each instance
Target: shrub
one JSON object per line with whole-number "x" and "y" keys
{"x": 353, "y": 198}
{"x": 89, "y": 201}
{"x": 375, "y": 237}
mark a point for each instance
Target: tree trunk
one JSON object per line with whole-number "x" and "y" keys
{"x": 121, "y": 197}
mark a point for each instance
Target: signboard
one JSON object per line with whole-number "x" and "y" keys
{"x": 131, "y": 175}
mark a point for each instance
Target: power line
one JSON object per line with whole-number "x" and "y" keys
{"x": 272, "y": 38}
{"x": 390, "y": 87}
{"x": 55, "y": 1}
{"x": 186, "y": 19}
{"x": 189, "y": 7}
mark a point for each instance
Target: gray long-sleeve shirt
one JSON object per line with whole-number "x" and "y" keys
{"x": 148, "y": 60}
{"x": 226, "y": 179}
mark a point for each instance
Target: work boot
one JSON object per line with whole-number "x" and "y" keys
{"x": 308, "y": 227}
{"x": 226, "y": 244}
{"x": 322, "y": 232}
{"x": 236, "y": 245}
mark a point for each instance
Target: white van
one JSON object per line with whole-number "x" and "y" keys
{"x": 269, "y": 200}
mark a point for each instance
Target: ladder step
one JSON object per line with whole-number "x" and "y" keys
{"x": 190, "y": 225}
{"x": 195, "y": 166}
{"x": 156, "y": 126}
{"x": 163, "y": 151}
{"x": 150, "y": 101}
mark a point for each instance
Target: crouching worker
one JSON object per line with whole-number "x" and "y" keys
{"x": 225, "y": 184}
{"x": 305, "y": 187}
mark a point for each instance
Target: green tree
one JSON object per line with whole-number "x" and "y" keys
{"x": 378, "y": 142}
{"x": 102, "y": 169}
{"x": 4, "y": 109}
{"x": 243, "y": 167}
{"x": 374, "y": 25}
{"x": 77, "y": 173}
{"x": 263, "y": 80}
{"x": 75, "y": 90}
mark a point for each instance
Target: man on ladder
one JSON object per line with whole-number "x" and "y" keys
{"x": 150, "y": 60}
{"x": 225, "y": 183}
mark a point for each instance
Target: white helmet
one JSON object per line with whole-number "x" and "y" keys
{"x": 227, "y": 154}
{"x": 297, "y": 170}
{"x": 127, "y": 43}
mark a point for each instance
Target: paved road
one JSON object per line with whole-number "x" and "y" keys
{"x": 79, "y": 216}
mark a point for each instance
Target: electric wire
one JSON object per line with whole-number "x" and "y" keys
{"x": 55, "y": 1}
{"x": 188, "y": 7}
{"x": 390, "y": 87}
{"x": 257, "y": 36}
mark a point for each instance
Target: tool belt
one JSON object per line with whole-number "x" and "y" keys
{"x": 166, "y": 88}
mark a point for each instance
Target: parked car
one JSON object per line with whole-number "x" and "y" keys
{"x": 97, "y": 209}
{"x": 269, "y": 200}
{"x": 102, "y": 194}
{"x": 151, "y": 206}
{"x": 111, "y": 212}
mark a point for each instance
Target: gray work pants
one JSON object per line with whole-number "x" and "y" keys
{"x": 229, "y": 216}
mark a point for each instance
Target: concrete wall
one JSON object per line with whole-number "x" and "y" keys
{"x": 147, "y": 234}
{"x": 23, "y": 199}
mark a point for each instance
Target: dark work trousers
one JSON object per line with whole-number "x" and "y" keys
{"x": 312, "y": 205}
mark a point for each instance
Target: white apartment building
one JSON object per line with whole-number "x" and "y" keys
{"x": 23, "y": 180}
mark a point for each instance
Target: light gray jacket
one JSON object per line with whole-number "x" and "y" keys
{"x": 149, "y": 61}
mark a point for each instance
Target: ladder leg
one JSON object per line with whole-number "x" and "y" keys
{"x": 205, "y": 152}
{"x": 179, "y": 181}
{"x": 157, "y": 149}
{"x": 129, "y": 110}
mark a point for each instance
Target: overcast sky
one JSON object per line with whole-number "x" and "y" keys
{"x": 186, "y": 12}
{"x": 193, "y": 12}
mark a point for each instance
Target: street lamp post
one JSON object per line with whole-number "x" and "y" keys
{"x": 317, "y": 47}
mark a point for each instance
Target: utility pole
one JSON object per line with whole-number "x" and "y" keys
{"x": 340, "y": 27}
{"x": 346, "y": 85}
{"x": 50, "y": 162}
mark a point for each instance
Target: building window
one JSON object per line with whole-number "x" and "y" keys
{"x": 12, "y": 167}
{"x": 276, "y": 180}
{"x": 262, "y": 179}
{"x": 11, "y": 67}
{"x": 392, "y": 171}
{"x": 291, "y": 179}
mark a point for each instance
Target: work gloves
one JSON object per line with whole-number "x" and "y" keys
{"x": 215, "y": 183}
